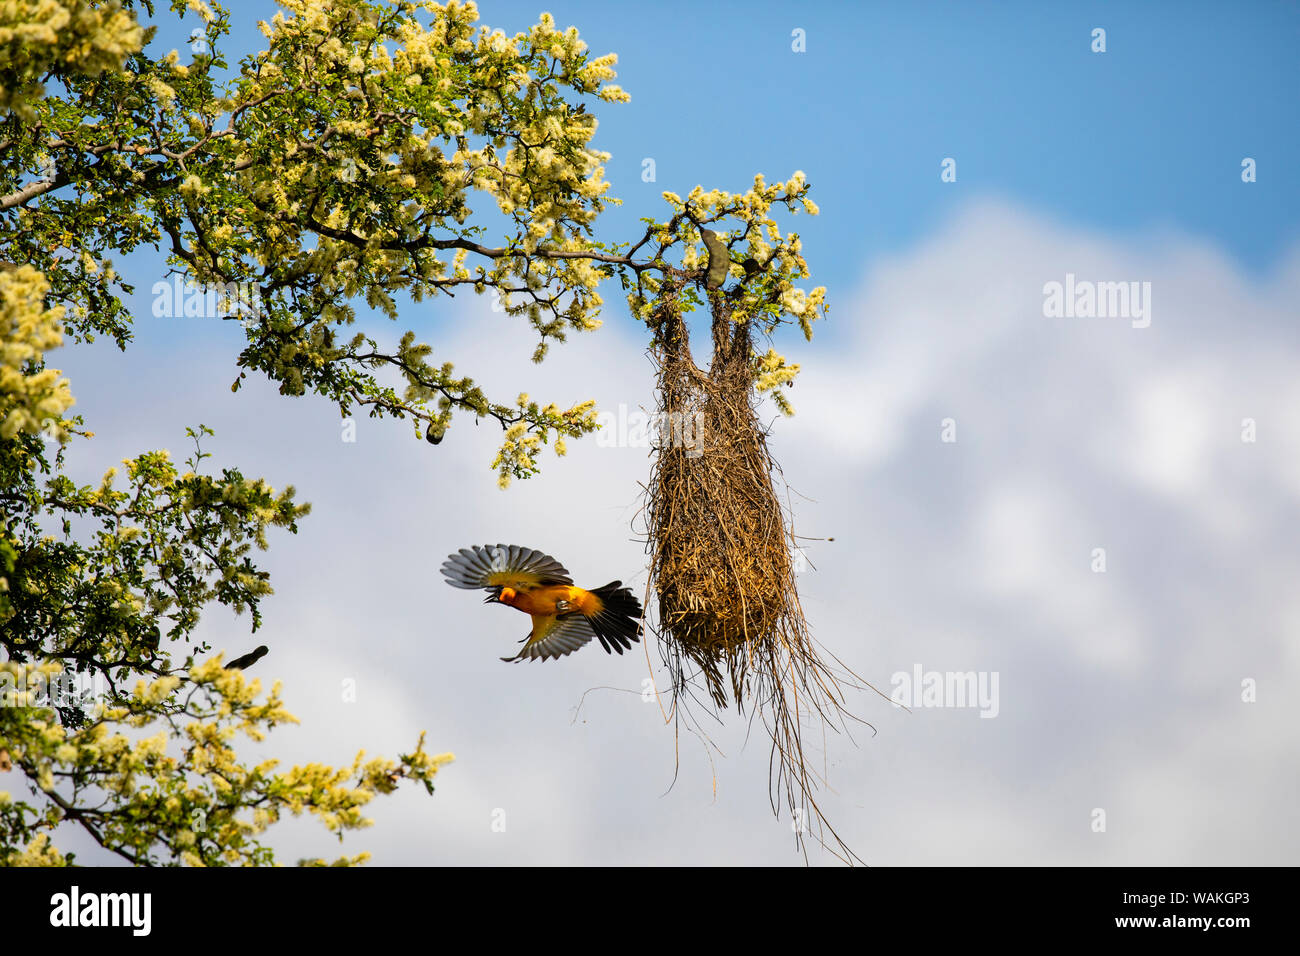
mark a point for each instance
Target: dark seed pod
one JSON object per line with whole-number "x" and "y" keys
{"x": 249, "y": 659}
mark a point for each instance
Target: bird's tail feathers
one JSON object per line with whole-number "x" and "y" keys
{"x": 618, "y": 622}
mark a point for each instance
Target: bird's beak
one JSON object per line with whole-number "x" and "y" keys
{"x": 489, "y": 599}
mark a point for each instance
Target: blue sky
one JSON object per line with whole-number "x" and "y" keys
{"x": 1148, "y": 135}
{"x": 1145, "y": 138}
{"x": 1120, "y": 690}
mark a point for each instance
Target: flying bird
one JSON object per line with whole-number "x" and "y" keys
{"x": 565, "y": 616}
{"x": 249, "y": 659}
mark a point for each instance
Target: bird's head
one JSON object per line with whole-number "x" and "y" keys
{"x": 500, "y": 595}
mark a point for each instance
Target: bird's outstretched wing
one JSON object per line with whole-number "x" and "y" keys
{"x": 503, "y": 565}
{"x": 554, "y": 637}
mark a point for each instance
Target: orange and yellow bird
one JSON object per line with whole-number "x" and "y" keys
{"x": 564, "y": 616}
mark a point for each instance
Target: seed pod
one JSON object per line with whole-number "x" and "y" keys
{"x": 719, "y": 259}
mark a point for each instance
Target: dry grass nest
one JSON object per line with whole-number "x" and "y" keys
{"x": 722, "y": 564}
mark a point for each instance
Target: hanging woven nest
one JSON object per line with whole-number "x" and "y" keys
{"x": 722, "y": 566}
